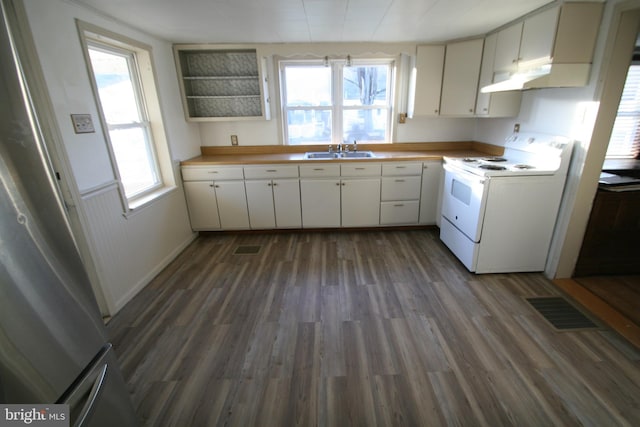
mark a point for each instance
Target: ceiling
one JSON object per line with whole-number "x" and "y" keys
{"x": 304, "y": 21}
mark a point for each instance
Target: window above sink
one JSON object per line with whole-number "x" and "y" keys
{"x": 332, "y": 101}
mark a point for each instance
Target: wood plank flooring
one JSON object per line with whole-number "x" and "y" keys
{"x": 363, "y": 328}
{"x": 621, "y": 292}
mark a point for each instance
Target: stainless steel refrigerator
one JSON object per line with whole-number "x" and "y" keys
{"x": 53, "y": 344}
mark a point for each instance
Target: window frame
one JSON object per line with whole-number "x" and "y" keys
{"x": 337, "y": 107}
{"x": 145, "y": 87}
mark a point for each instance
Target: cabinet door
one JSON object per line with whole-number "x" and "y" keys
{"x": 430, "y": 194}
{"x": 320, "y": 199}
{"x": 497, "y": 104}
{"x": 429, "y": 68}
{"x": 460, "y": 82}
{"x": 286, "y": 198}
{"x": 360, "y": 202}
{"x": 232, "y": 204}
{"x": 507, "y": 50}
{"x": 202, "y": 205}
{"x": 260, "y": 204}
{"x": 538, "y": 35}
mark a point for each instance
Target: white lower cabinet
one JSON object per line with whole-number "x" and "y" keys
{"x": 430, "y": 194}
{"x": 202, "y": 205}
{"x": 335, "y": 196}
{"x": 313, "y": 195}
{"x": 232, "y": 205}
{"x": 216, "y": 197}
{"x": 360, "y": 202}
{"x": 274, "y": 203}
{"x": 400, "y": 194}
{"x": 273, "y": 196}
{"x": 320, "y": 202}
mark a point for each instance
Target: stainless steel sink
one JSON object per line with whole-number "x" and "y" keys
{"x": 320, "y": 155}
{"x": 357, "y": 154}
{"x": 343, "y": 155}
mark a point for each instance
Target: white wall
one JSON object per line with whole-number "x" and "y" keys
{"x": 123, "y": 252}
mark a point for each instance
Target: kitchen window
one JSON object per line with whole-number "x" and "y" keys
{"x": 625, "y": 136}
{"x": 336, "y": 101}
{"x": 124, "y": 85}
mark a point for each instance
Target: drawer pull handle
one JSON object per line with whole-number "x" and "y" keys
{"x": 272, "y": 170}
{"x": 212, "y": 172}
{"x": 401, "y": 167}
{"x": 399, "y": 180}
{"x": 318, "y": 169}
{"x": 399, "y": 205}
{"x": 359, "y": 169}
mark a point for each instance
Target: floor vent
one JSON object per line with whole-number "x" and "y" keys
{"x": 561, "y": 314}
{"x": 247, "y": 250}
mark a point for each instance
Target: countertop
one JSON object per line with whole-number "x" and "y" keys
{"x": 386, "y": 152}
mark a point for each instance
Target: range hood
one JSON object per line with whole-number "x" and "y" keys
{"x": 542, "y": 76}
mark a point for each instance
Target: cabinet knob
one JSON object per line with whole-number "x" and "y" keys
{"x": 435, "y": 111}
{"x": 471, "y": 110}
{"x": 274, "y": 184}
{"x": 269, "y": 184}
{"x": 337, "y": 183}
{"x": 217, "y": 186}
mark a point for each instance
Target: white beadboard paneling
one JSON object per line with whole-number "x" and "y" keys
{"x": 130, "y": 251}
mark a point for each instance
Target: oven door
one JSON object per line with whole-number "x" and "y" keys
{"x": 463, "y": 201}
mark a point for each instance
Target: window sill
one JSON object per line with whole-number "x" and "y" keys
{"x": 141, "y": 203}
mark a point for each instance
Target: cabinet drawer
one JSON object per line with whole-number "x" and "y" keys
{"x": 209, "y": 173}
{"x": 360, "y": 169}
{"x": 273, "y": 171}
{"x": 399, "y": 212}
{"x": 404, "y": 168}
{"x": 401, "y": 188}
{"x": 320, "y": 170}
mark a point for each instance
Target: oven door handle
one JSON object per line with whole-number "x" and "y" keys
{"x": 464, "y": 174}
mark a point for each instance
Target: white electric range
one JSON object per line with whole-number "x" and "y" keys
{"x": 499, "y": 212}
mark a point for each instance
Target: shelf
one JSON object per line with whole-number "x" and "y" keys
{"x": 219, "y": 83}
{"x": 221, "y": 96}
{"x": 220, "y": 77}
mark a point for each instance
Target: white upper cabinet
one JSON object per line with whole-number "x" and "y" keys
{"x": 507, "y": 48}
{"x": 552, "y": 48}
{"x": 460, "y": 81}
{"x": 499, "y": 104}
{"x": 429, "y": 68}
{"x": 538, "y": 35}
{"x": 528, "y": 40}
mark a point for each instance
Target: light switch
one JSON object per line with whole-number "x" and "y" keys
{"x": 82, "y": 123}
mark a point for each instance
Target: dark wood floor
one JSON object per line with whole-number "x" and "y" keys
{"x": 360, "y": 328}
{"x": 621, "y": 292}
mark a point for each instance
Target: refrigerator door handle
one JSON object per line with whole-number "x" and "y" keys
{"x": 81, "y": 413}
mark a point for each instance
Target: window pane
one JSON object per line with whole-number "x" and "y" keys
{"x": 135, "y": 160}
{"x": 309, "y": 126}
{"x": 366, "y": 85}
{"x": 308, "y": 86}
{"x": 116, "y": 90}
{"x": 625, "y": 135}
{"x": 365, "y": 125}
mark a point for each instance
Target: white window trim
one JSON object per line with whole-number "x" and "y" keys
{"x": 337, "y": 108}
{"x": 154, "y": 122}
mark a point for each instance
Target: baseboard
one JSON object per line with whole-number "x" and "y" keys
{"x": 152, "y": 274}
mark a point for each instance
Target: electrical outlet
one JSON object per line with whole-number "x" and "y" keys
{"x": 402, "y": 118}
{"x": 234, "y": 139}
{"x": 516, "y": 128}
{"x": 82, "y": 123}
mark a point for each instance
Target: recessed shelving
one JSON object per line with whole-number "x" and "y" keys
{"x": 220, "y": 84}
